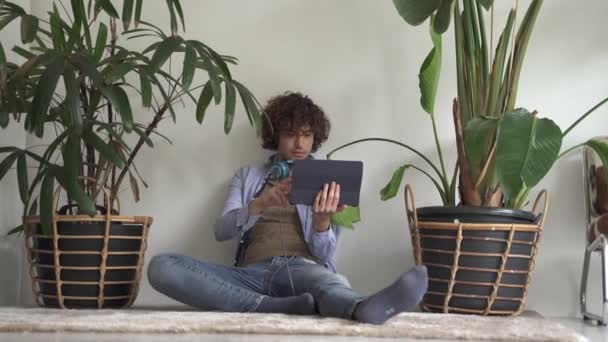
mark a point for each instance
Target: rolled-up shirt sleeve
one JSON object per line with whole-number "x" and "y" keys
{"x": 235, "y": 218}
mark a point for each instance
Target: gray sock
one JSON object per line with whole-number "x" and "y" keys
{"x": 402, "y": 295}
{"x": 303, "y": 304}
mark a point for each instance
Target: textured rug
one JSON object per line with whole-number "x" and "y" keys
{"x": 528, "y": 327}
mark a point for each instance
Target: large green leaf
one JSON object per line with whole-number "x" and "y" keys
{"x": 391, "y": 189}
{"x": 521, "y": 44}
{"x": 495, "y": 105}
{"x": 29, "y": 28}
{"x": 486, "y": 3}
{"x": 479, "y": 136}
{"x": 164, "y": 50}
{"x": 347, "y": 217}
{"x": 415, "y": 12}
{"x": 443, "y": 16}
{"x": 526, "y": 149}
{"x": 429, "y": 75}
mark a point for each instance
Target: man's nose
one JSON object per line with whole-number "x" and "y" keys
{"x": 299, "y": 140}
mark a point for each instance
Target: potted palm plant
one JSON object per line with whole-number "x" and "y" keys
{"x": 480, "y": 249}
{"x": 76, "y": 90}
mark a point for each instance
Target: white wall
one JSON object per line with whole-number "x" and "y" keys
{"x": 360, "y": 61}
{"x": 12, "y": 257}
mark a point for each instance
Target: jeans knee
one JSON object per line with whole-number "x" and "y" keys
{"x": 159, "y": 268}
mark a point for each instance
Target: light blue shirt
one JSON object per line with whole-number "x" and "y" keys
{"x": 235, "y": 219}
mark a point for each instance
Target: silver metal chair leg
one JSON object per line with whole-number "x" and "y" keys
{"x": 599, "y": 244}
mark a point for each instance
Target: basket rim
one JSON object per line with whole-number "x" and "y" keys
{"x": 67, "y": 218}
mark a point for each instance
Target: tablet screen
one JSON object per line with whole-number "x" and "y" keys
{"x": 310, "y": 175}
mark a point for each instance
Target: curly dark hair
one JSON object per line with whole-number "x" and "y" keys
{"x": 292, "y": 111}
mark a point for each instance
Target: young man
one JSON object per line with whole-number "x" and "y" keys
{"x": 285, "y": 258}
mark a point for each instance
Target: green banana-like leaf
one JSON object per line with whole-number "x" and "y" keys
{"x": 443, "y": 16}
{"x": 521, "y": 44}
{"x": 479, "y": 135}
{"x": 601, "y": 148}
{"x": 347, "y": 217}
{"x": 392, "y": 187}
{"x": 415, "y": 12}
{"x": 526, "y": 149}
{"x": 486, "y": 3}
{"x": 428, "y": 79}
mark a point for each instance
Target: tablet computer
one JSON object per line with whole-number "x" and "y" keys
{"x": 309, "y": 176}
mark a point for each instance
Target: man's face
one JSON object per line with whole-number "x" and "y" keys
{"x": 296, "y": 144}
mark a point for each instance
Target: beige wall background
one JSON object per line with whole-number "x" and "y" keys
{"x": 358, "y": 60}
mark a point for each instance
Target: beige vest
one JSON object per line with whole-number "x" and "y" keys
{"x": 277, "y": 233}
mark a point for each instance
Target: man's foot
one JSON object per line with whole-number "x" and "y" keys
{"x": 403, "y": 294}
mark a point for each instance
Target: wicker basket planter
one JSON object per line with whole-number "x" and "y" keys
{"x": 87, "y": 261}
{"x": 475, "y": 266}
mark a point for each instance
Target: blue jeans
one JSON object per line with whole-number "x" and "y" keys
{"x": 210, "y": 286}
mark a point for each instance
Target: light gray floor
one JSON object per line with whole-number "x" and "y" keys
{"x": 593, "y": 333}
